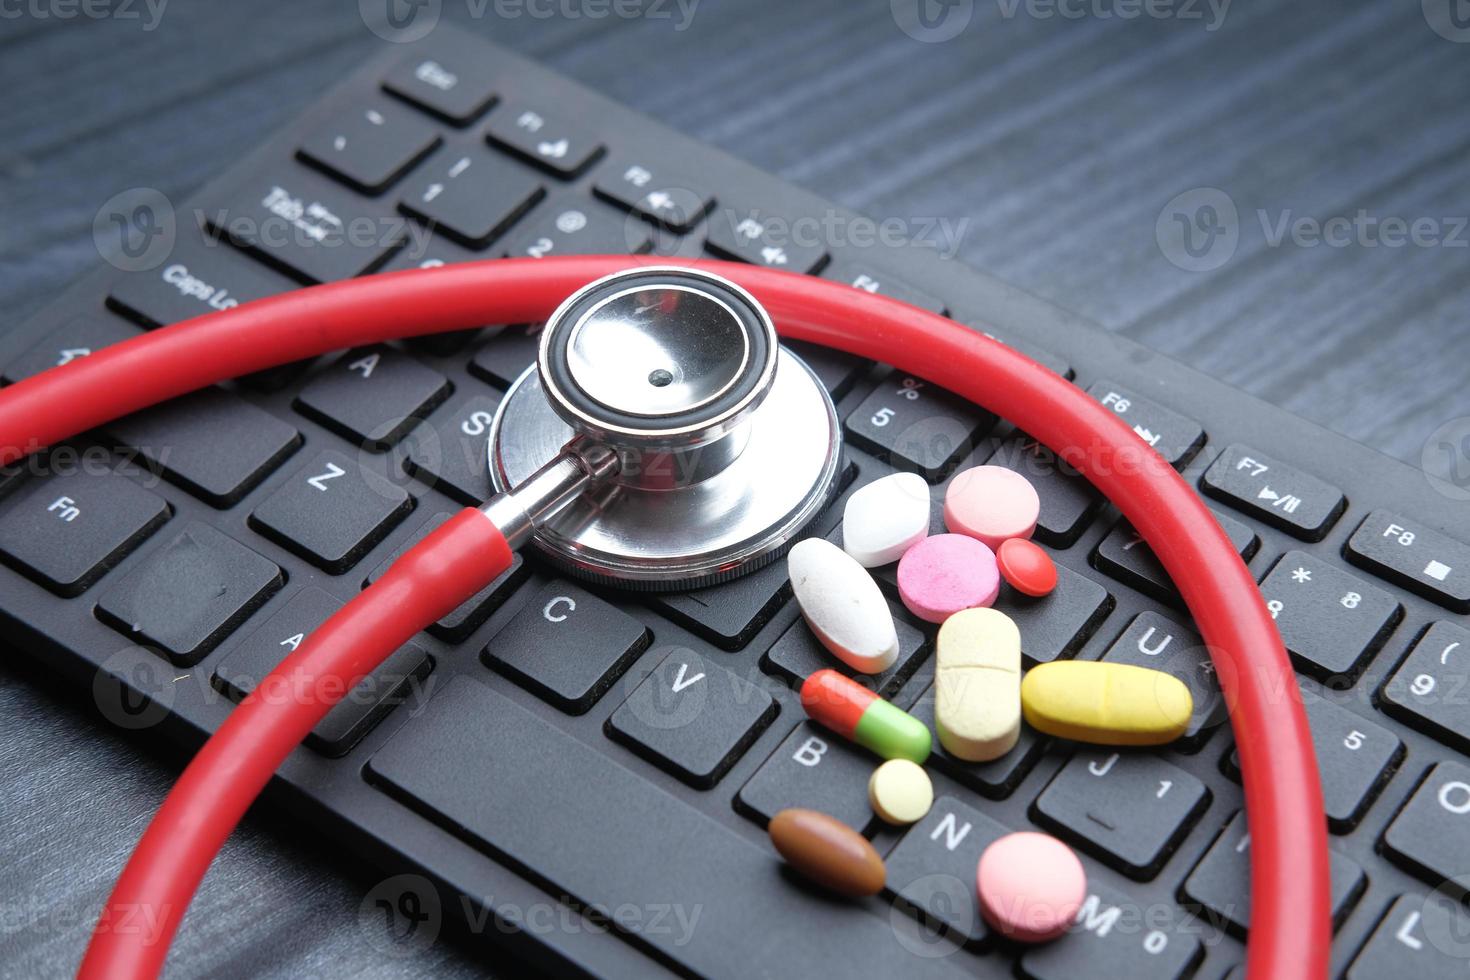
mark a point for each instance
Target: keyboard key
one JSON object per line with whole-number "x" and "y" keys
{"x": 1125, "y": 556}
{"x": 692, "y": 717}
{"x": 754, "y": 236}
{"x": 1152, "y": 641}
{"x": 331, "y": 511}
{"x": 1047, "y": 359}
{"x": 561, "y": 147}
{"x": 201, "y": 276}
{"x": 190, "y": 594}
{"x": 1332, "y": 622}
{"x": 730, "y": 613}
{"x": 452, "y": 453}
{"x": 1173, "y": 436}
{"x": 1355, "y": 759}
{"x": 651, "y": 191}
{"x": 470, "y": 194}
{"x": 456, "y": 88}
{"x": 1055, "y": 626}
{"x": 798, "y": 654}
{"x": 77, "y": 337}
{"x": 567, "y": 646}
{"x": 570, "y": 224}
{"x": 1409, "y": 554}
{"x": 932, "y": 869}
{"x": 1221, "y": 882}
{"x": 836, "y": 370}
{"x": 1431, "y": 834}
{"x": 425, "y": 251}
{"x": 68, "y": 530}
{"x": 870, "y": 280}
{"x": 1118, "y": 939}
{"x": 504, "y": 358}
{"x": 1129, "y": 809}
{"x": 212, "y": 443}
{"x": 815, "y": 769}
{"x": 362, "y": 707}
{"x": 1427, "y": 689}
{"x": 500, "y": 776}
{"x": 1420, "y": 937}
{"x": 307, "y": 225}
{"x": 995, "y": 779}
{"x": 472, "y": 613}
{"x": 1280, "y": 495}
{"x": 373, "y": 396}
{"x": 370, "y": 147}
{"x": 915, "y": 426}
{"x": 1068, "y": 501}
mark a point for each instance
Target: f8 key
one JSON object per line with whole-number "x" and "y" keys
{"x": 1411, "y": 555}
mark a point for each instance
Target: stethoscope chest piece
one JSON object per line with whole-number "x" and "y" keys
{"x": 728, "y": 445}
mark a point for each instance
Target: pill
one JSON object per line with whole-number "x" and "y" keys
{"x": 827, "y": 851}
{"x": 886, "y": 518}
{"x": 843, "y": 605}
{"x": 1106, "y": 704}
{"x": 856, "y": 713}
{"x": 1031, "y": 886}
{"x": 991, "y": 503}
{"x": 977, "y": 685}
{"x": 900, "y": 792}
{"x": 1027, "y": 568}
{"x": 945, "y": 573}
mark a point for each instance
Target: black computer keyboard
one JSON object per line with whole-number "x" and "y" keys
{"x": 542, "y": 751}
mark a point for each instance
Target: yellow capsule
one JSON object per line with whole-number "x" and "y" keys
{"x": 1106, "y": 704}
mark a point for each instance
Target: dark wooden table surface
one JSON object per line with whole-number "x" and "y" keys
{"x": 1058, "y": 140}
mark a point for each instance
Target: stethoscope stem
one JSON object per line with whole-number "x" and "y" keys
{"x": 542, "y": 495}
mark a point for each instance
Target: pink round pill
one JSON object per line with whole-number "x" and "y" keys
{"x": 991, "y": 503}
{"x": 945, "y": 573}
{"x": 1031, "y": 886}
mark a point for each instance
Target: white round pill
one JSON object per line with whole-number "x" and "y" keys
{"x": 886, "y": 518}
{"x": 843, "y": 605}
{"x": 900, "y": 792}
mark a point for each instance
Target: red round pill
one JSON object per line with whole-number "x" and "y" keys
{"x": 1026, "y": 568}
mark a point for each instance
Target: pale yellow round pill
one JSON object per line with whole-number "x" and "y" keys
{"x": 900, "y": 791}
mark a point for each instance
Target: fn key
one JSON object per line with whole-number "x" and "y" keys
{"x": 67, "y": 531}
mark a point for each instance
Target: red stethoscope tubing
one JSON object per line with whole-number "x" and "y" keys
{"x": 1291, "y": 935}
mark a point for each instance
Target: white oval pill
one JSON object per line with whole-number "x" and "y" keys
{"x": 886, "y": 518}
{"x": 977, "y": 684}
{"x": 843, "y": 605}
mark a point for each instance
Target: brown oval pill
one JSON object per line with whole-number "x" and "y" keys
{"x": 828, "y": 851}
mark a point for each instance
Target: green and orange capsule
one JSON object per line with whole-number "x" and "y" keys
{"x": 854, "y": 712}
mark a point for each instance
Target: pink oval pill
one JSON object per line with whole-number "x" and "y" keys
{"x": 945, "y": 573}
{"x": 991, "y": 503}
{"x": 1031, "y": 886}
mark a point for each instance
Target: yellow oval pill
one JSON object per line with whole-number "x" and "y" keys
{"x": 900, "y": 791}
{"x": 977, "y": 685}
{"x": 1106, "y": 704}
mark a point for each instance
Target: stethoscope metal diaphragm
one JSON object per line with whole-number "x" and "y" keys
{"x": 727, "y": 443}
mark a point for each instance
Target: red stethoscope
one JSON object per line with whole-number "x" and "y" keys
{"x": 598, "y": 436}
